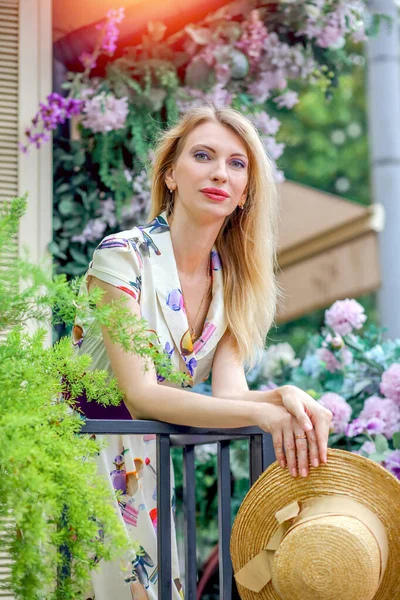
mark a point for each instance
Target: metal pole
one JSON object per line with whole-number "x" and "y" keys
{"x": 384, "y": 132}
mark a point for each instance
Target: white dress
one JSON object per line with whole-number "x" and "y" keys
{"x": 141, "y": 262}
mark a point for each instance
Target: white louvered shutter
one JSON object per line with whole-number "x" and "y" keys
{"x": 8, "y": 160}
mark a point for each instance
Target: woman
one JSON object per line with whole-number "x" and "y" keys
{"x": 202, "y": 274}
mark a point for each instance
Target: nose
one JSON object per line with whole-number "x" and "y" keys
{"x": 220, "y": 173}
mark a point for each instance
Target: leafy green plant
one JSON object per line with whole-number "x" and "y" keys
{"x": 56, "y": 512}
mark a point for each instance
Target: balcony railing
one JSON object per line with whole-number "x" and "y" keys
{"x": 261, "y": 454}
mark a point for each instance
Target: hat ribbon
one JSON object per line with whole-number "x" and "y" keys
{"x": 257, "y": 572}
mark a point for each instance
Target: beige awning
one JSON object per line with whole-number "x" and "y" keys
{"x": 328, "y": 249}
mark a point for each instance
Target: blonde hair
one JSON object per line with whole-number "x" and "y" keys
{"x": 247, "y": 241}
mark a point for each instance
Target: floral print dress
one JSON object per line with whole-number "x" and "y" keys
{"x": 141, "y": 263}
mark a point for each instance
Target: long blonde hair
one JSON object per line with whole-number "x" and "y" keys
{"x": 247, "y": 241}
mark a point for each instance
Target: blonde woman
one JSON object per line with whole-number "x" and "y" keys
{"x": 201, "y": 272}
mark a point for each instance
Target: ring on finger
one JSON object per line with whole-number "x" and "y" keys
{"x": 301, "y": 436}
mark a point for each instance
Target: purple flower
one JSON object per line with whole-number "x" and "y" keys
{"x": 344, "y": 316}
{"x": 392, "y": 463}
{"x": 354, "y": 428}
{"x": 390, "y": 383}
{"x": 383, "y": 410}
{"x": 340, "y": 410}
{"x": 287, "y": 100}
{"x": 253, "y": 38}
{"x": 375, "y": 425}
{"x": 104, "y": 112}
{"x": 368, "y": 447}
{"x": 330, "y": 360}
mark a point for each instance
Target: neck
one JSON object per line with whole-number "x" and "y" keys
{"x": 192, "y": 243}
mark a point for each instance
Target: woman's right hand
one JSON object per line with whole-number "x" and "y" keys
{"x": 294, "y": 452}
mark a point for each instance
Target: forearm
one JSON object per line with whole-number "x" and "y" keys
{"x": 161, "y": 403}
{"x": 270, "y": 396}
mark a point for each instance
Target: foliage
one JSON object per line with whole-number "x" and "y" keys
{"x": 237, "y": 56}
{"x": 58, "y": 511}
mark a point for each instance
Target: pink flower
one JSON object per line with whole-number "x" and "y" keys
{"x": 383, "y": 410}
{"x": 331, "y": 362}
{"x": 287, "y": 100}
{"x": 104, "y": 112}
{"x": 354, "y": 428}
{"x": 340, "y": 410}
{"x": 392, "y": 463}
{"x": 253, "y": 37}
{"x": 390, "y": 383}
{"x": 344, "y": 316}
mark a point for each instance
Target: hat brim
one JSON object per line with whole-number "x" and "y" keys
{"x": 345, "y": 473}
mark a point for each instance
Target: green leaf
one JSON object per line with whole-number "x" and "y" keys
{"x": 66, "y": 205}
{"x": 55, "y": 250}
{"x": 377, "y": 457}
{"x": 396, "y": 440}
{"x": 381, "y": 443}
{"x": 71, "y": 224}
{"x": 79, "y": 256}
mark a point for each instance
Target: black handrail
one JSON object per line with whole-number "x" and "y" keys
{"x": 261, "y": 454}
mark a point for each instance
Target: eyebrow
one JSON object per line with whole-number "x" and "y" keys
{"x": 213, "y": 150}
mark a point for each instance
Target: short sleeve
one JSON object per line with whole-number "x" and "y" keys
{"x": 117, "y": 261}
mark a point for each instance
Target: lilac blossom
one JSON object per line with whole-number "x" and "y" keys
{"x": 265, "y": 124}
{"x": 107, "y": 212}
{"x": 390, "y": 383}
{"x": 111, "y": 31}
{"x": 392, "y": 463}
{"x": 105, "y": 112}
{"x": 140, "y": 201}
{"x": 287, "y": 100}
{"x": 340, "y": 410}
{"x": 368, "y": 447}
{"x": 93, "y": 231}
{"x": 344, "y": 316}
{"x": 253, "y": 37}
{"x": 52, "y": 113}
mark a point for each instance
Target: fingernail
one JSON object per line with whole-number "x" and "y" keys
{"x": 294, "y": 472}
{"x": 315, "y": 462}
{"x": 283, "y": 464}
{"x": 308, "y": 426}
{"x": 304, "y": 472}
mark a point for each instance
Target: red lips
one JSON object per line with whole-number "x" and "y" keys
{"x": 215, "y": 192}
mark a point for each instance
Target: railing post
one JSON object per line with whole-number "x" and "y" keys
{"x": 164, "y": 517}
{"x": 224, "y": 521}
{"x": 189, "y": 512}
{"x": 261, "y": 454}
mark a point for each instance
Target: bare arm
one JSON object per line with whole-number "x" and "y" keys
{"x": 146, "y": 399}
{"x": 229, "y": 381}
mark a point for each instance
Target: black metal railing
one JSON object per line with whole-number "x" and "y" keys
{"x": 261, "y": 454}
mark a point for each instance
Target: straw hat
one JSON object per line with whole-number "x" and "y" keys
{"x": 334, "y": 535}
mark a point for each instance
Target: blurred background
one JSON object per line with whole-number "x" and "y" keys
{"x": 85, "y": 87}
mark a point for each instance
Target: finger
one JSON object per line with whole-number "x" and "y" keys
{"x": 277, "y": 439}
{"x": 297, "y": 409}
{"x": 322, "y": 426}
{"x": 313, "y": 449}
{"x": 290, "y": 450}
{"x": 302, "y": 451}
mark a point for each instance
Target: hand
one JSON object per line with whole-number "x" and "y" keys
{"x": 313, "y": 418}
{"x": 290, "y": 448}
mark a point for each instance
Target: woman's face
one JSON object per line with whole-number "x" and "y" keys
{"x": 210, "y": 175}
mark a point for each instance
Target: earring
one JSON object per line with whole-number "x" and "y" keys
{"x": 241, "y": 206}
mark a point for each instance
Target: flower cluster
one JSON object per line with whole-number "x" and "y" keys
{"x": 357, "y": 377}
{"x": 52, "y": 113}
{"x": 99, "y": 111}
{"x": 104, "y": 112}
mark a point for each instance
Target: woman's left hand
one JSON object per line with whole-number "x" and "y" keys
{"x": 314, "y": 418}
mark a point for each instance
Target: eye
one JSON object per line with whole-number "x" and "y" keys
{"x": 238, "y": 163}
{"x": 201, "y": 154}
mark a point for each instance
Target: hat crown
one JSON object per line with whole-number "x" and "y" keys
{"x": 326, "y": 558}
